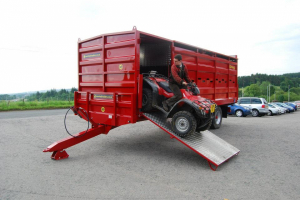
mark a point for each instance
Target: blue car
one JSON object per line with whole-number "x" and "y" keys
{"x": 238, "y": 110}
{"x": 290, "y": 109}
{"x": 292, "y": 105}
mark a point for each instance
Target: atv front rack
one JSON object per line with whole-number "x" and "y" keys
{"x": 214, "y": 149}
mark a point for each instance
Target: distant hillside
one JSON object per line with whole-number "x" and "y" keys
{"x": 284, "y": 80}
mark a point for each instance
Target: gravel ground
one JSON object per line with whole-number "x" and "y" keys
{"x": 140, "y": 161}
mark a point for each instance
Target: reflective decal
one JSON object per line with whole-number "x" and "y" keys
{"x": 92, "y": 55}
{"x": 103, "y": 96}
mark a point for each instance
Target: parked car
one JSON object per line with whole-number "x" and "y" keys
{"x": 298, "y": 104}
{"x": 273, "y": 110}
{"x": 238, "y": 110}
{"x": 282, "y": 109}
{"x": 292, "y": 105}
{"x": 258, "y": 106}
{"x": 290, "y": 109}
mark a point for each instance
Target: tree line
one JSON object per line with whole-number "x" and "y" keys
{"x": 53, "y": 94}
{"x": 284, "y": 87}
{"x": 285, "y": 81}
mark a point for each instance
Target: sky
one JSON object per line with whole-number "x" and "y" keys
{"x": 38, "y": 39}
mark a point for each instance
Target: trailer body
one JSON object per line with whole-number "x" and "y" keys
{"x": 111, "y": 67}
{"x": 110, "y": 74}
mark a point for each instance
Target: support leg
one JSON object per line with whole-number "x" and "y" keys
{"x": 58, "y": 147}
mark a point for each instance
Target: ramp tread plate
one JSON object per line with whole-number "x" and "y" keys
{"x": 205, "y": 143}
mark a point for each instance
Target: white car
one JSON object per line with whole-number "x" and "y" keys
{"x": 282, "y": 110}
{"x": 259, "y": 106}
{"x": 273, "y": 110}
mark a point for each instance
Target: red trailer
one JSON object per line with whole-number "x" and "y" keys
{"x": 110, "y": 73}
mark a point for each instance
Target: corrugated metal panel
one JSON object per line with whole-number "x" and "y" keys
{"x": 205, "y": 143}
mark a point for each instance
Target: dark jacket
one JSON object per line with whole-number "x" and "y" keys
{"x": 179, "y": 75}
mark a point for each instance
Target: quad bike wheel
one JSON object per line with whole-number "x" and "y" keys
{"x": 183, "y": 123}
{"x": 147, "y": 100}
{"x": 206, "y": 127}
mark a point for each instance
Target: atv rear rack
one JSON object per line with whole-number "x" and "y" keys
{"x": 212, "y": 148}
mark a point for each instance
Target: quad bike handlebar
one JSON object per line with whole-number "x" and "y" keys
{"x": 193, "y": 88}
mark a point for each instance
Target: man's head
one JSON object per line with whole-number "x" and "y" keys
{"x": 177, "y": 60}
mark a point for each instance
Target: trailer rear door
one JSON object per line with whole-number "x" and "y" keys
{"x": 108, "y": 83}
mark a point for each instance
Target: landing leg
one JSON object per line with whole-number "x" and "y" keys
{"x": 58, "y": 148}
{"x": 58, "y": 155}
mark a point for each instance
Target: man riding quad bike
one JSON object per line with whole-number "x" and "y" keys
{"x": 191, "y": 113}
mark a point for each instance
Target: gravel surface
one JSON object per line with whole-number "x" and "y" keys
{"x": 140, "y": 161}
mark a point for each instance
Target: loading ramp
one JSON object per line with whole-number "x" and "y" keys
{"x": 214, "y": 149}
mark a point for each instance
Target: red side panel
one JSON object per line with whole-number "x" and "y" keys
{"x": 215, "y": 76}
{"x": 108, "y": 81}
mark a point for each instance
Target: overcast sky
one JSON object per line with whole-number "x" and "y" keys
{"x": 38, "y": 43}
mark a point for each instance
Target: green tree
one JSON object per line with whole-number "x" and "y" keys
{"x": 284, "y": 86}
{"x": 38, "y": 95}
{"x": 73, "y": 89}
{"x": 252, "y": 91}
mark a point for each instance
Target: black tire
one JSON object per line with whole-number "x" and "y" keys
{"x": 270, "y": 113}
{"x": 239, "y": 113}
{"x": 255, "y": 113}
{"x": 204, "y": 128}
{"x": 147, "y": 100}
{"x": 184, "y": 123}
{"x": 217, "y": 119}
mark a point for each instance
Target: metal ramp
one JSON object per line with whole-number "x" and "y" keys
{"x": 214, "y": 149}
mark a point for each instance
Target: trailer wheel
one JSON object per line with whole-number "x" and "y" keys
{"x": 217, "y": 120}
{"x": 147, "y": 100}
{"x": 183, "y": 123}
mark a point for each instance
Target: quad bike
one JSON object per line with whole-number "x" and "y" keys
{"x": 192, "y": 113}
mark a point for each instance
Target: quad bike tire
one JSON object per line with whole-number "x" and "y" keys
{"x": 183, "y": 123}
{"x": 147, "y": 100}
{"x": 206, "y": 127}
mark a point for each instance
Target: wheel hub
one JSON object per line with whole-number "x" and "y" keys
{"x": 182, "y": 124}
{"x": 218, "y": 117}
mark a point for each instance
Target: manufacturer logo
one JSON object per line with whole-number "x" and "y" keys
{"x": 120, "y": 67}
{"x": 103, "y": 109}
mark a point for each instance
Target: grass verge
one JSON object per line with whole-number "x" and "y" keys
{"x": 34, "y": 105}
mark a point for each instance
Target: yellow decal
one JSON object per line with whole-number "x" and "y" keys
{"x": 103, "y": 109}
{"x": 212, "y": 108}
{"x": 120, "y": 67}
{"x": 231, "y": 67}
